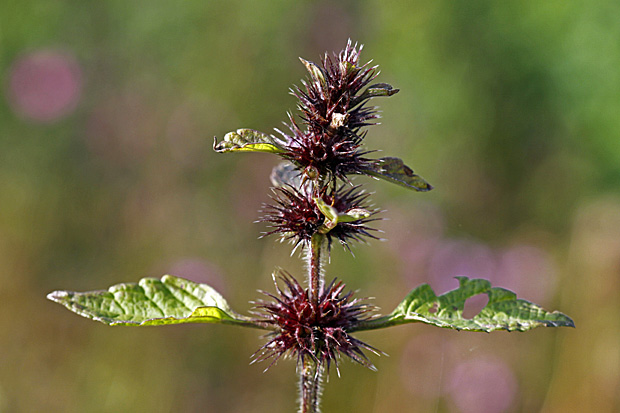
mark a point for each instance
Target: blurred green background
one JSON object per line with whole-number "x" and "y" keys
{"x": 109, "y": 108}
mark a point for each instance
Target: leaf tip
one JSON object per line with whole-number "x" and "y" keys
{"x": 394, "y": 170}
{"x": 58, "y": 296}
{"x": 567, "y": 322}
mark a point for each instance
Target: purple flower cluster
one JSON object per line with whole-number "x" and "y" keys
{"x": 333, "y": 110}
{"x": 318, "y": 331}
{"x": 296, "y": 216}
{"x": 314, "y": 203}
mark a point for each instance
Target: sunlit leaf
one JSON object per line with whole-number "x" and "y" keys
{"x": 353, "y": 215}
{"x": 248, "y": 140}
{"x": 394, "y": 170}
{"x": 379, "y": 89}
{"x": 171, "y": 300}
{"x": 502, "y": 312}
{"x": 315, "y": 71}
{"x": 329, "y": 211}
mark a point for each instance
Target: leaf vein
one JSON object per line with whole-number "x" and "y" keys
{"x": 163, "y": 313}
{"x": 125, "y": 312}
{"x": 177, "y": 299}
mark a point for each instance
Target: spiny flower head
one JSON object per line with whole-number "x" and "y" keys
{"x": 330, "y": 99}
{"x": 327, "y": 145}
{"x": 297, "y": 215}
{"x": 318, "y": 330}
{"x": 334, "y": 110}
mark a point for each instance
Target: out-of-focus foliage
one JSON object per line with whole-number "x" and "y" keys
{"x": 107, "y": 175}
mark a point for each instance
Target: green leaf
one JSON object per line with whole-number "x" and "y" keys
{"x": 333, "y": 217}
{"x": 171, "y": 300}
{"x": 503, "y": 311}
{"x": 353, "y": 215}
{"x": 379, "y": 89}
{"x": 248, "y": 140}
{"x": 315, "y": 71}
{"x": 394, "y": 170}
{"x": 330, "y": 213}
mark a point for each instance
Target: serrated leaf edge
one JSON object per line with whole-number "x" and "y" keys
{"x": 201, "y": 314}
{"x": 404, "y": 314}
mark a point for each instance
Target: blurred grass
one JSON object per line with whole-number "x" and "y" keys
{"x": 509, "y": 109}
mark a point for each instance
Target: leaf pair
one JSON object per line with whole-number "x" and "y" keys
{"x": 174, "y": 300}
{"x": 390, "y": 169}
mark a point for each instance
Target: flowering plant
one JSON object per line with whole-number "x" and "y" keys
{"x": 315, "y": 204}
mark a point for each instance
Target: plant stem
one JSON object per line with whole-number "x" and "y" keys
{"x": 315, "y": 273}
{"x": 311, "y": 386}
{"x": 311, "y": 371}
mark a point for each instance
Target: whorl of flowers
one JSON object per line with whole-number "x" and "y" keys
{"x": 333, "y": 110}
{"x": 296, "y": 215}
{"x": 317, "y": 331}
{"x": 314, "y": 203}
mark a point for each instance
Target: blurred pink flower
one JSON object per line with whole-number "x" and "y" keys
{"x": 529, "y": 271}
{"x": 45, "y": 85}
{"x": 482, "y": 385}
{"x": 422, "y": 364}
{"x": 413, "y": 236}
{"x": 454, "y": 257}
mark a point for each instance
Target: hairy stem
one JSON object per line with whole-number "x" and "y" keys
{"x": 310, "y": 386}
{"x": 311, "y": 371}
{"x": 315, "y": 273}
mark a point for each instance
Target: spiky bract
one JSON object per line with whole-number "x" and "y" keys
{"x": 333, "y": 111}
{"x": 318, "y": 331}
{"x": 295, "y": 215}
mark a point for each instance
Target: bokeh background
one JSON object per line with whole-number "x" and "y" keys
{"x": 107, "y": 115}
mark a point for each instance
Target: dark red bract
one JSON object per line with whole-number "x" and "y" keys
{"x": 295, "y": 216}
{"x": 317, "y": 331}
{"x": 333, "y": 112}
